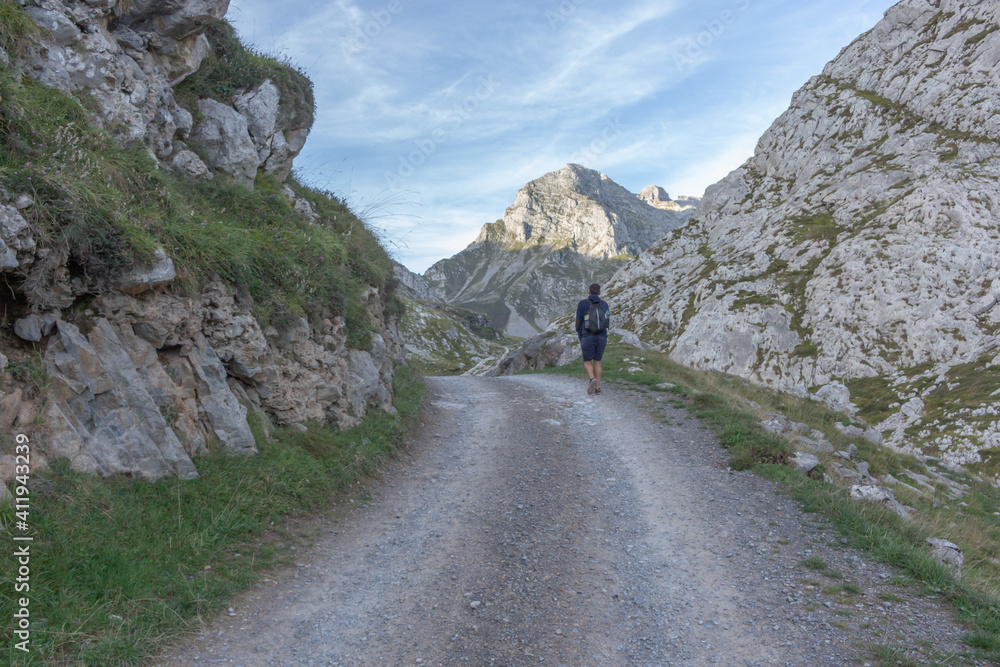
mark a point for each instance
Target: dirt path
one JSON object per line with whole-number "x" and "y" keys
{"x": 531, "y": 524}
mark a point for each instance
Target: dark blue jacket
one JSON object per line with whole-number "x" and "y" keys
{"x": 581, "y": 312}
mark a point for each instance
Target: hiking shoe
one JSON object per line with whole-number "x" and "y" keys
{"x": 592, "y": 387}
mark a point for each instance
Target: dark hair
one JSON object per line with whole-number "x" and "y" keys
{"x": 595, "y": 289}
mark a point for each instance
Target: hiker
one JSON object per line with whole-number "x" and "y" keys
{"x": 592, "y": 317}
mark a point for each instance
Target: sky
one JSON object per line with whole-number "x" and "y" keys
{"x": 431, "y": 114}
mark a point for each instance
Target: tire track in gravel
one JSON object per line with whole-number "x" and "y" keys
{"x": 527, "y": 523}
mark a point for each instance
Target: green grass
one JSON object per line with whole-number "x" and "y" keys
{"x": 120, "y": 565}
{"x": 890, "y": 656}
{"x": 107, "y": 208}
{"x": 231, "y": 67}
{"x": 17, "y": 27}
{"x": 814, "y": 563}
{"x": 724, "y": 403}
{"x": 30, "y": 375}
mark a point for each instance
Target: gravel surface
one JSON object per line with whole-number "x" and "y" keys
{"x": 528, "y": 523}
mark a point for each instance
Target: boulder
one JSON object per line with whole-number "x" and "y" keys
{"x": 29, "y": 328}
{"x": 541, "y": 351}
{"x": 61, "y": 30}
{"x": 160, "y": 273}
{"x": 285, "y": 146}
{"x": 224, "y": 141}
{"x": 187, "y": 162}
{"x": 804, "y": 462}
{"x": 845, "y": 473}
{"x": 226, "y": 416}
{"x": 949, "y": 554}
{"x": 185, "y": 56}
{"x": 9, "y": 407}
{"x": 852, "y": 431}
{"x": 837, "y": 397}
{"x": 880, "y": 495}
{"x": 364, "y": 379}
{"x": 630, "y": 338}
{"x": 260, "y": 109}
{"x": 17, "y": 246}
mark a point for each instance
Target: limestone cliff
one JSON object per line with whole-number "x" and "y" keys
{"x": 861, "y": 242}
{"x": 161, "y": 280}
{"x": 564, "y": 231}
{"x": 127, "y": 59}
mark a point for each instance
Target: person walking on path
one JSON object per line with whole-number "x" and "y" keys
{"x": 592, "y": 318}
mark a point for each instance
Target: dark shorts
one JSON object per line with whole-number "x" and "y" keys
{"x": 593, "y": 346}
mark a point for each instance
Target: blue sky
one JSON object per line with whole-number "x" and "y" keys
{"x": 431, "y": 114}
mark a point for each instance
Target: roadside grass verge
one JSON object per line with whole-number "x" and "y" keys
{"x": 120, "y": 566}
{"x": 734, "y": 408}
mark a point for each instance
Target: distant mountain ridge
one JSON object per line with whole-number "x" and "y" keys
{"x": 564, "y": 230}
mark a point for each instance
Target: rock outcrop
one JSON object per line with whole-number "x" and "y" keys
{"x": 545, "y": 350}
{"x": 414, "y": 285}
{"x": 130, "y": 372}
{"x": 565, "y": 230}
{"x": 127, "y": 64}
{"x": 859, "y": 245}
{"x": 160, "y": 378}
{"x": 657, "y": 197}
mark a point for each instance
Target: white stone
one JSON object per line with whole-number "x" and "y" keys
{"x": 837, "y": 397}
{"x": 160, "y": 273}
{"x": 804, "y": 462}
{"x": 949, "y": 554}
{"x": 880, "y": 495}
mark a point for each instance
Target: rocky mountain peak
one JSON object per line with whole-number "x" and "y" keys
{"x": 567, "y": 229}
{"x": 584, "y": 210}
{"x": 656, "y": 196}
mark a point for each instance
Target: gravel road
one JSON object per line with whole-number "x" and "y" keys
{"x": 528, "y": 523}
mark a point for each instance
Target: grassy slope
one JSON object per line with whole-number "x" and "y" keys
{"x": 108, "y": 207}
{"x": 734, "y": 409}
{"x": 118, "y": 564}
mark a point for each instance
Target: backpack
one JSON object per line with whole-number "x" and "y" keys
{"x": 596, "y": 320}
